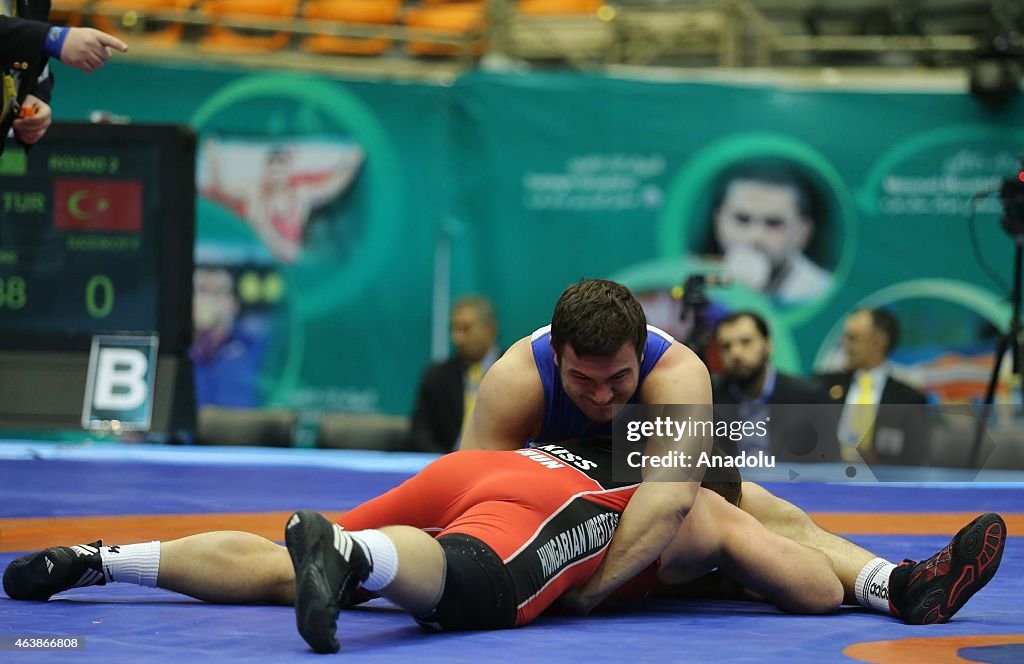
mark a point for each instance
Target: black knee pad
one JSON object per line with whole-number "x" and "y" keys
{"x": 478, "y": 590}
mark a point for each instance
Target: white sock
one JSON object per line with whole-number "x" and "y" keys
{"x": 132, "y": 563}
{"x": 383, "y": 556}
{"x": 873, "y": 585}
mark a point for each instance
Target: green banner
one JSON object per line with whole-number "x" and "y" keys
{"x": 325, "y": 205}
{"x": 599, "y": 176}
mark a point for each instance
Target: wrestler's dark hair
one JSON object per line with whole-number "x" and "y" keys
{"x": 597, "y": 316}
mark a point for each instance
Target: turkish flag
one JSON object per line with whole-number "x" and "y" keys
{"x": 98, "y": 205}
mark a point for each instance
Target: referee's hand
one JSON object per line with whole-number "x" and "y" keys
{"x": 33, "y": 121}
{"x": 88, "y": 49}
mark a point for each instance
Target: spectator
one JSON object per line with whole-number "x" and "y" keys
{"x": 751, "y": 390}
{"x": 226, "y": 357}
{"x": 872, "y": 426}
{"x": 448, "y": 389}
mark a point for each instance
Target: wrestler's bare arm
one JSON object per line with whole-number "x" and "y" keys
{"x": 660, "y": 504}
{"x": 510, "y": 404}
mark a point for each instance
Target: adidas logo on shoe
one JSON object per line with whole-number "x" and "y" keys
{"x": 38, "y": 576}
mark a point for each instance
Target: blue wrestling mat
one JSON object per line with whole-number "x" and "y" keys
{"x": 42, "y": 485}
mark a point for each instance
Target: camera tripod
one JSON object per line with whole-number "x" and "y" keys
{"x": 1012, "y": 194}
{"x": 1009, "y": 340}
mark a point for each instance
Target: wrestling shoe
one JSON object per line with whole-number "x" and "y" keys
{"x": 931, "y": 591}
{"x": 38, "y": 576}
{"x": 329, "y": 566}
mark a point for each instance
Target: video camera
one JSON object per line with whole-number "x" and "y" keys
{"x": 694, "y": 303}
{"x": 1011, "y": 192}
{"x": 692, "y": 294}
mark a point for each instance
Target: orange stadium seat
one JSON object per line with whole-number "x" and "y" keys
{"x": 457, "y": 18}
{"x": 381, "y": 12}
{"x": 67, "y": 12}
{"x": 223, "y": 39}
{"x": 166, "y": 33}
{"x": 558, "y": 6}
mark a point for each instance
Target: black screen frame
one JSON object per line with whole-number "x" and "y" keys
{"x": 174, "y": 237}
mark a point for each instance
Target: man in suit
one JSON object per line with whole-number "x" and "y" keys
{"x": 27, "y": 41}
{"x": 751, "y": 390}
{"x": 448, "y": 389}
{"x": 883, "y": 418}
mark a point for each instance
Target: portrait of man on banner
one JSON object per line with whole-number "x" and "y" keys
{"x": 768, "y": 229}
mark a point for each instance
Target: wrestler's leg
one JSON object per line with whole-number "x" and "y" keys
{"x": 225, "y": 566}
{"x": 401, "y": 563}
{"x": 959, "y": 570}
{"x": 229, "y": 567}
{"x": 235, "y": 567}
{"x": 455, "y": 581}
{"x": 788, "y": 520}
{"x": 238, "y": 567}
{"x": 717, "y": 534}
{"x": 419, "y": 580}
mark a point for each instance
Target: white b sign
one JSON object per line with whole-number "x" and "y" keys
{"x": 119, "y": 387}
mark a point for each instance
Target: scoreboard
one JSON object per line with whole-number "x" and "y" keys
{"x": 96, "y": 233}
{"x": 96, "y": 238}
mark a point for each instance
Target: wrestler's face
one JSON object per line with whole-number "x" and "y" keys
{"x": 744, "y": 351}
{"x": 597, "y": 383}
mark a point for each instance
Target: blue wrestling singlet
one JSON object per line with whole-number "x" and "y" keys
{"x": 562, "y": 419}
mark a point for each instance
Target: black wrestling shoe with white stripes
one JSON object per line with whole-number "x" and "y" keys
{"x": 38, "y": 576}
{"x": 329, "y": 566}
{"x": 931, "y": 591}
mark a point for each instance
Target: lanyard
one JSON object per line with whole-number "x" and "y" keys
{"x": 10, "y": 90}
{"x": 9, "y": 97}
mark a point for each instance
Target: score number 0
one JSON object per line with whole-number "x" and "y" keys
{"x": 99, "y": 294}
{"x": 99, "y": 287}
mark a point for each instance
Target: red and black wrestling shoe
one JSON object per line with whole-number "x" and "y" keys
{"x": 932, "y": 590}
